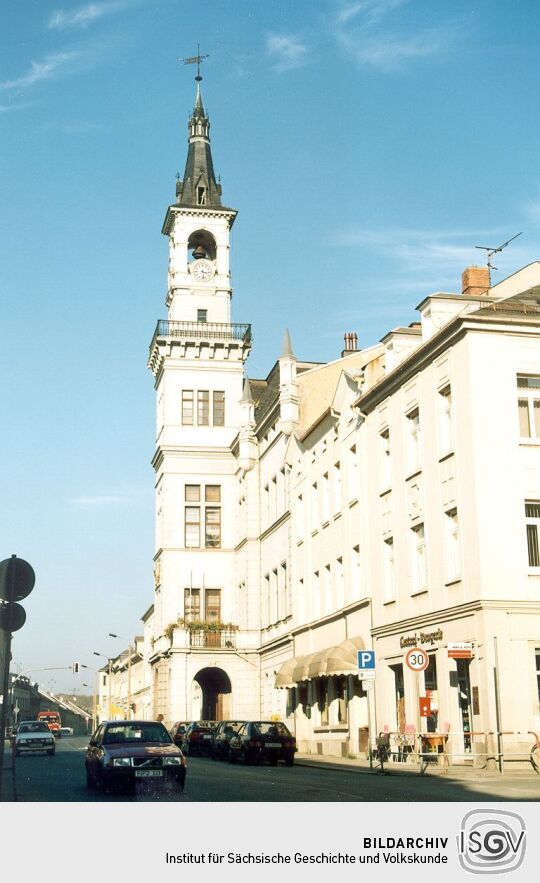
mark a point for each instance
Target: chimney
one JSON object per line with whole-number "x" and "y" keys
{"x": 351, "y": 343}
{"x": 475, "y": 281}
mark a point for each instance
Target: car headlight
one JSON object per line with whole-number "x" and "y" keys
{"x": 122, "y": 761}
{"x": 173, "y": 761}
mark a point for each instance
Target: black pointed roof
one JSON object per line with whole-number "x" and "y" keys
{"x": 199, "y": 178}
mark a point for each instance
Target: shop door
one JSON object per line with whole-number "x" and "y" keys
{"x": 464, "y": 700}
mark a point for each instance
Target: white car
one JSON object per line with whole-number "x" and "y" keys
{"x": 34, "y": 736}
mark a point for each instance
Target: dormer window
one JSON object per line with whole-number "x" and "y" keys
{"x": 201, "y": 195}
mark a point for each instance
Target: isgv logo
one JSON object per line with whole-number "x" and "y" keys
{"x": 491, "y": 841}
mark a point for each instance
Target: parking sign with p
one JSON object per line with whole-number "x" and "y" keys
{"x": 366, "y": 660}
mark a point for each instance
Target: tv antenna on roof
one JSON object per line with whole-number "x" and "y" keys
{"x": 491, "y": 251}
{"x": 196, "y": 59}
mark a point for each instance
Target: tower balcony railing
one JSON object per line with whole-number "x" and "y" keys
{"x": 224, "y": 639}
{"x": 202, "y": 331}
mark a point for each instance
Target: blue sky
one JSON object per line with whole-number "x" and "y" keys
{"x": 368, "y": 147}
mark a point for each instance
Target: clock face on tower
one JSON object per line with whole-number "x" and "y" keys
{"x": 202, "y": 270}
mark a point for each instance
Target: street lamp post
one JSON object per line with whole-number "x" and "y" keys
{"x": 94, "y": 694}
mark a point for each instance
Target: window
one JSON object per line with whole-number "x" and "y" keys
{"x": 453, "y": 562}
{"x": 218, "y": 412}
{"x": 314, "y": 506}
{"x": 202, "y": 315}
{"x": 537, "y": 653}
{"x": 337, "y": 487}
{"x": 212, "y": 517}
{"x": 201, "y": 196}
{"x": 529, "y": 406}
{"x": 267, "y": 597}
{"x": 212, "y": 528}
{"x": 203, "y": 407}
{"x": 192, "y": 539}
{"x": 212, "y": 605}
{"x": 356, "y": 572}
{"x": 413, "y": 440}
{"x": 193, "y": 493}
{"x": 353, "y": 473}
{"x": 325, "y": 498}
{"x": 389, "y": 575}
{"x": 386, "y": 462}
{"x": 418, "y": 554}
{"x": 327, "y": 588}
{"x": 445, "y": 419}
{"x": 316, "y": 606}
{"x": 340, "y": 584}
{"x": 300, "y": 518}
{"x": 187, "y": 407}
{"x": 192, "y": 604}
{"x": 532, "y": 521}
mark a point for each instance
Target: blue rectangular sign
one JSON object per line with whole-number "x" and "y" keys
{"x": 366, "y": 659}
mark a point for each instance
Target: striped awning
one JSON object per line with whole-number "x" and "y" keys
{"x": 341, "y": 659}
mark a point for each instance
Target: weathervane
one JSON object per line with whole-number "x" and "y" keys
{"x": 491, "y": 251}
{"x": 196, "y": 59}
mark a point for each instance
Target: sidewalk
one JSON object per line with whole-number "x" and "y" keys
{"x": 358, "y": 765}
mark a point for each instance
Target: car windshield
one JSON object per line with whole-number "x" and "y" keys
{"x": 270, "y": 729}
{"x": 129, "y": 732}
{"x": 37, "y": 727}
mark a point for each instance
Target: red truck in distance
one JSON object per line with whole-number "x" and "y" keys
{"x": 52, "y": 719}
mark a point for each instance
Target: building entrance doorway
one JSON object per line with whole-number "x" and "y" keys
{"x": 216, "y": 693}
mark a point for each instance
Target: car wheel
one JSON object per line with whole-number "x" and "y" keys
{"x": 231, "y": 758}
{"x": 273, "y": 761}
{"x": 289, "y": 761}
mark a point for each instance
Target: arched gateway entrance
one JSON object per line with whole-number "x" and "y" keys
{"x": 216, "y": 693}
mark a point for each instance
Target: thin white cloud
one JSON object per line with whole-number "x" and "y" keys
{"x": 5, "y": 108}
{"x": 84, "y": 16}
{"x": 46, "y": 69}
{"x": 102, "y": 500}
{"x": 439, "y": 256}
{"x": 288, "y": 52}
{"x": 390, "y": 52}
{"x": 371, "y": 34}
{"x": 369, "y": 10}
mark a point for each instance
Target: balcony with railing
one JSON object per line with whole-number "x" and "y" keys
{"x": 222, "y": 639}
{"x": 203, "y": 332}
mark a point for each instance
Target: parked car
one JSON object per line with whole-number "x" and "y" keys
{"x": 198, "y": 737}
{"x": 178, "y": 731}
{"x": 225, "y": 730}
{"x": 66, "y": 731}
{"x": 263, "y": 740}
{"x": 34, "y": 736}
{"x": 122, "y": 753}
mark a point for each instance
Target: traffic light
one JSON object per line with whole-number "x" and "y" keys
{"x": 76, "y": 667}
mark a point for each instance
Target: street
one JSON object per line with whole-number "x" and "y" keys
{"x": 62, "y": 779}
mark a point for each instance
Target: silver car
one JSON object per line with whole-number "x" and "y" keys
{"x": 34, "y": 736}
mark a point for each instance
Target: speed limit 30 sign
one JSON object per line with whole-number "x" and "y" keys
{"x": 417, "y": 659}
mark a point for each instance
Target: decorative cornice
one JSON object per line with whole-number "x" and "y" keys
{"x": 448, "y": 614}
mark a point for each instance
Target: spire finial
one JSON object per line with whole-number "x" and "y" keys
{"x": 287, "y": 346}
{"x": 246, "y": 392}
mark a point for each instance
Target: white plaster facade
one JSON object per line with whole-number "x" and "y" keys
{"x": 373, "y": 501}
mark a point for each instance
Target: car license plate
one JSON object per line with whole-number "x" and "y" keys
{"x": 148, "y": 774}
{"x": 273, "y": 744}
{"x": 207, "y": 737}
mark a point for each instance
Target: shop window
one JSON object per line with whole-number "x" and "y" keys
{"x": 464, "y": 700}
{"x": 291, "y": 702}
{"x": 399, "y": 692}
{"x": 340, "y": 693}
{"x": 303, "y": 699}
{"x": 430, "y": 686}
{"x": 322, "y": 699}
